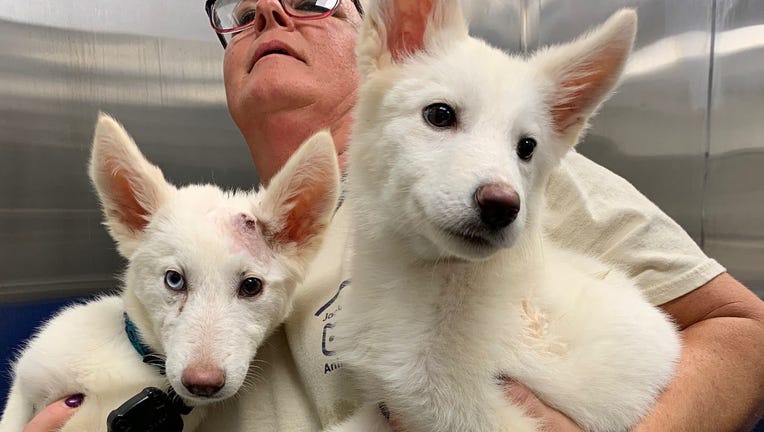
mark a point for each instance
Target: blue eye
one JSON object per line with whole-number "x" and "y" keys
{"x": 174, "y": 281}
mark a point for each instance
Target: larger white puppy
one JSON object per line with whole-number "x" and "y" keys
{"x": 453, "y": 283}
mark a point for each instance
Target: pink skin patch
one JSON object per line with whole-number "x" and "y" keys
{"x": 242, "y": 230}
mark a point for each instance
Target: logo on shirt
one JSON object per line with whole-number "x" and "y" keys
{"x": 327, "y": 313}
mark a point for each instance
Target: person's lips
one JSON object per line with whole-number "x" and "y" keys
{"x": 274, "y": 47}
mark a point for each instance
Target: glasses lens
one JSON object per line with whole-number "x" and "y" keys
{"x": 229, "y": 14}
{"x": 310, "y": 8}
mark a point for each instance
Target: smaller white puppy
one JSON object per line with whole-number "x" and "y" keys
{"x": 210, "y": 275}
{"x": 453, "y": 284}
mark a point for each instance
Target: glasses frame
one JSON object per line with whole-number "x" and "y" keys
{"x": 210, "y": 3}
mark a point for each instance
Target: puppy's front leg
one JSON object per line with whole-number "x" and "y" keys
{"x": 367, "y": 418}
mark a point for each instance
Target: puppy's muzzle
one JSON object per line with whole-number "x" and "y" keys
{"x": 498, "y": 204}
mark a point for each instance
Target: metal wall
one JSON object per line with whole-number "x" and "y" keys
{"x": 685, "y": 127}
{"x": 734, "y": 193}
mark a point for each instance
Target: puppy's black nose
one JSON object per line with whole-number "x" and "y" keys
{"x": 498, "y": 204}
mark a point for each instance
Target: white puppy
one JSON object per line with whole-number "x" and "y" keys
{"x": 210, "y": 274}
{"x": 453, "y": 284}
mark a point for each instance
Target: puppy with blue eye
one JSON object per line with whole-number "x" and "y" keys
{"x": 210, "y": 275}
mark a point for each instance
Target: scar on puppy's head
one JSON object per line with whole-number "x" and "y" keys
{"x": 248, "y": 221}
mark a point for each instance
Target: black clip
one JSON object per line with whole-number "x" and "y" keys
{"x": 151, "y": 410}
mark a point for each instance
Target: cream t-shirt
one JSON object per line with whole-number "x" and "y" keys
{"x": 302, "y": 387}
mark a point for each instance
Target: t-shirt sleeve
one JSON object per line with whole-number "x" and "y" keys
{"x": 594, "y": 211}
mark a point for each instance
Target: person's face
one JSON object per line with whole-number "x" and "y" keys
{"x": 282, "y": 64}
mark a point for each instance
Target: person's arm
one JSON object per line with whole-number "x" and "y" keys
{"x": 55, "y": 415}
{"x": 719, "y": 384}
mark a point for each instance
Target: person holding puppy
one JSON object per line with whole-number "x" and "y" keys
{"x": 290, "y": 71}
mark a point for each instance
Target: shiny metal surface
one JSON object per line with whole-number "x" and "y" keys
{"x": 504, "y": 24}
{"x": 175, "y": 19}
{"x": 734, "y": 193}
{"x": 169, "y": 94}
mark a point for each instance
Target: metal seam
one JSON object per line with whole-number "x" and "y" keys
{"x": 709, "y": 108}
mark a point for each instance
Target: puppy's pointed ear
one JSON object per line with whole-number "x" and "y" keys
{"x": 300, "y": 200}
{"x": 130, "y": 188}
{"x": 396, "y": 29}
{"x": 580, "y": 75}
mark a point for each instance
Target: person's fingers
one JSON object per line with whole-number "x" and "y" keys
{"x": 392, "y": 419}
{"x": 55, "y": 415}
{"x": 552, "y": 419}
{"x": 523, "y": 397}
{"x": 395, "y": 424}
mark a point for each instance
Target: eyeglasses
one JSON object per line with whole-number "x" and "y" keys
{"x": 229, "y": 17}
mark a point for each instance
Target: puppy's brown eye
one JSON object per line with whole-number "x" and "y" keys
{"x": 525, "y": 148}
{"x": 440, "y": 115}
{"x": 250, "y": 287}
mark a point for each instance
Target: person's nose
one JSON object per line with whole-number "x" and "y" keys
{"x": 270, "y": 14}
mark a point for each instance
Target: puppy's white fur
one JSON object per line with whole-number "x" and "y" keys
{"x": 434, "y": 318}
{"x": 216, "y": 239}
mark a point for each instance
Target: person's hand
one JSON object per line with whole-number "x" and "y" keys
{"x": 55, "y": 415}
{"x": 553, "y": 420}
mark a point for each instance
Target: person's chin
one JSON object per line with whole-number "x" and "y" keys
{"x": 274, "y": 88}
{"x": 280, "y": 73}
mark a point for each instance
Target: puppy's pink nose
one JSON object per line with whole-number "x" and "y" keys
{"x": 498, "y": 203}
{"x": 203, "y": 380}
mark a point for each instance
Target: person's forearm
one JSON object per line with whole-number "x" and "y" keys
{"x": 719, "y": 384}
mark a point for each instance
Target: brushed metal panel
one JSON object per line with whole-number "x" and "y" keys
{"x": 734, "y": 206}
{"x": 169, "y": 94}
{"x": 506, "y": 24}
{"x": 177, "y": 19}
{"x": 653, "y": 131}
{"x": 50, "y": 253}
